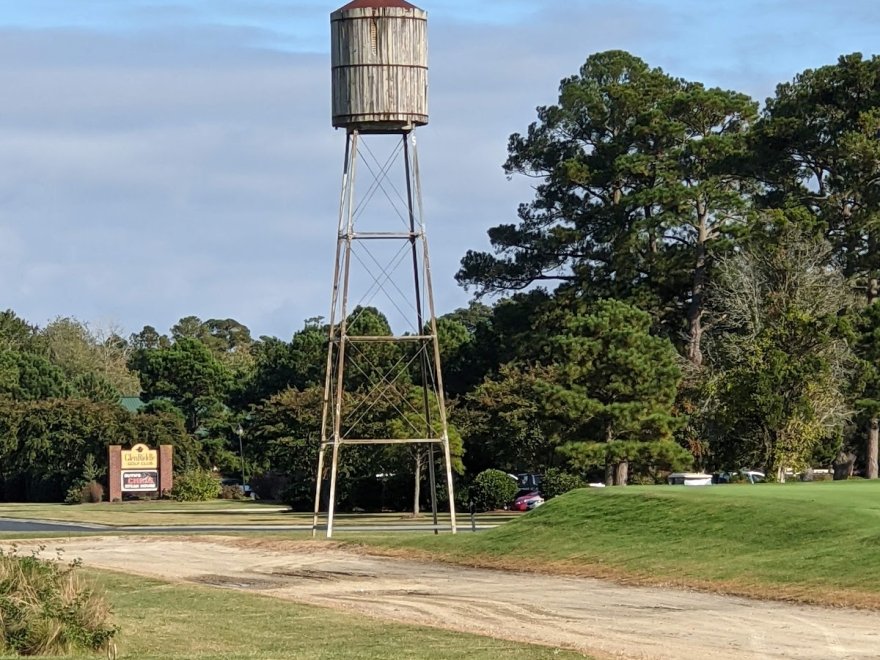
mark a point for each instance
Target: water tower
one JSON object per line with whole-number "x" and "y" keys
{"x": 380, "y": 95}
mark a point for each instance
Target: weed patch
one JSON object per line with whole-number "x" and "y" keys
{"x": 47, "y": 608}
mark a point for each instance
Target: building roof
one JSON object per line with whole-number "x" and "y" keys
{"x": 131, "y": 403}
{"x": 377, "y": 4}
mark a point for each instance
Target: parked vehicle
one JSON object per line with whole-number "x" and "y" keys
{"x": 526, "y": 500}
{"x": 528, "y": 480}
{"x": 747, "y": 476}
{"x": 752, "y": 476}
{"x": 245, "y": 489}
{"x": 689, "y": 479}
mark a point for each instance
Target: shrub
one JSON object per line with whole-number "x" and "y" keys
{"x": 86, "y": 488}
{"x": 75, "y": 494}
{"x": 232, "y": 492}
{"x": 95, "y": 492}
{"x": 556, "y": 482}
{"x": 269, "y": 485}
{"x": 91, "y": 470}
{"x": 195, "y": 486}
{"x": 462, "y": 496}
{"x": 300, "y": 496}
{"x": 47, "y": 609}
{"x": 492, "y": 489}
{"x": 82, "y": 493}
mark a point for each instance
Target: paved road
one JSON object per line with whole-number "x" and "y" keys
{"x": 12, "y": 525}
{"x": 37, "y": 526}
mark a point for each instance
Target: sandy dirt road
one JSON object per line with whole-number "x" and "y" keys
{"x": 592, "y": 616}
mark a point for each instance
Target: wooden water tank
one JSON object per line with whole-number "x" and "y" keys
{"x": 379, "y": 57}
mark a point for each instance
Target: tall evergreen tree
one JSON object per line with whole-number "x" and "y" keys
{"x": 612, "y": 388}
{"x": 868, "y": 349}
{"x": 818, "y": 148}
{"x": 641, "y": 181}
{"x": 187, "y": 374}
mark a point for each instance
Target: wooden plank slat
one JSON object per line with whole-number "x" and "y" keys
{"x": 379, "y": 68}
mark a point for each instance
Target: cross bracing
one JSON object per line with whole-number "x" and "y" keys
{"x": 393, "y": 369}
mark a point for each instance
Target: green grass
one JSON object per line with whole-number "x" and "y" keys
{"x": 815, "y": 542}
{"x": 161, "y": 621}
{"x": 154, "y": 513}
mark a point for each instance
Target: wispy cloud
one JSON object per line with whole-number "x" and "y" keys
{"x": 166, "y": 159}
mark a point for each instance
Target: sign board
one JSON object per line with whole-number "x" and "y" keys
{"x": 138, "y": 457}
{"x": 134, "y": 481}
{"x": 139, "y": 472}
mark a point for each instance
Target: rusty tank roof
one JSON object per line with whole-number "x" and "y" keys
{"x": 377, "y": 4}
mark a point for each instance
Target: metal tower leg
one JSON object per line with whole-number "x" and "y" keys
{"x": 338, "y": 424}
{"x": 331, "y": 416}
{"x": 438, "y": 373}
{"x": 325, "y": 412}
{"x": 348, "y": 197}
{"x": 423, "y": 356}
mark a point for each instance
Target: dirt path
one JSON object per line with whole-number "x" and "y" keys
{"x": 588, "y": 615}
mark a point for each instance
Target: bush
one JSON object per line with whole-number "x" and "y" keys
{"x": 492, "y": 489}
{"x": 556, "y": 482}
{"x": 95, "y": 492}
{"x": 195, "y": 486}
{"x": 462, "y": 496}
{"x": 270, "y": 485}
{"x": 47, "y": 609}
{"x": 232, "y": 492}
{"x": 85, "y": 493}
{"x": 86, "y": 489}
{"x": 299, "y": 495}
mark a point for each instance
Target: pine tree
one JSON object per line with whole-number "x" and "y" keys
{"x": 613, "y": 389}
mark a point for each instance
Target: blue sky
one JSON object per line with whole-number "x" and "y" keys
{"x": 168, "y": 158}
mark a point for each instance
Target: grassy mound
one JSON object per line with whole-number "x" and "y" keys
{"x": 807, "y": 542}
{"x": 47, "y": 609}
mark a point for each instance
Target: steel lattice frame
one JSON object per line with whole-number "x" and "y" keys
{"x": 354, "y": 254}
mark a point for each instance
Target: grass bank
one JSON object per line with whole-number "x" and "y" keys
{"x": 815, "y": 543}
{"x": 161, "y": 621}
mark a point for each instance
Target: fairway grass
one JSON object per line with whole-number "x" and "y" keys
{"x": 161, "y": 621}
{"x": 812, "y": 543}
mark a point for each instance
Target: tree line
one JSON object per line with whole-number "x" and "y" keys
{"x": 693, "y": 285}
{"x": 748, "y": 236}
